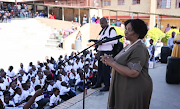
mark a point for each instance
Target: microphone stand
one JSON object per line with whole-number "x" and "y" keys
{"x": 84, "y": 64}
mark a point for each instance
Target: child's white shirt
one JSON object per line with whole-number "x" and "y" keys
{"x": 57, "y": 84}
{"x": 64, "y": 90}
{"x": 54, "y": 99}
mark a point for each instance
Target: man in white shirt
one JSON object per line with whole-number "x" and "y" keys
{"x": 66, "y": 92}
{"x": 75, "y": 66}
{"x": 55, "y": 99}
{"x": 105, "y": 48}
{"x": 10, "y": 72}
{"x": 5, "y": 78}
{"x": 30, "y": 66}
{"x": 21, "y": 68}
{"x": 72, "y": 77}
{"x": 19, "y": 98}
{"x": 170, "y": 40}
{"x": 58, "y": 82}
{"x": 24, "y": 77}
{"x": 84, "y": 19}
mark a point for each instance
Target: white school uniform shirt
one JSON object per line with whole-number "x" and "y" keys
{"x": 38, "y": 81}
{"x": 10, "y": 103}
{"x": 65, "y": 78}
{"x": 108, "y": 46}
{"x": 54, "y": 99}
{"x": 78, "y": 80}
{"x": 11, "y": 91}
{"x": 65, "y": 68}
{"x": 29, "y": 75}
{"x": 37, "y": 66}
{"x": 31, "y": 89}
{"x": 10, "y": 74}
{"x": 50, "y": 88}
{"x": 64, "y": 90}
{"x": 77, "y": 76}
{"x": 75, "y": 66}
{"x": 34, "y": 72}
{"x": 29, "y": 67}
{"x": 19, "y": 98}
{"x": 6, "y": 83}
{"x": 80, "y": 64}
{"x": 51, "y": 66}
{"x": 33, "y": 84}
{"x": 21, "y": 69}
{"x": 24, "y": 78}
{"x": 72, "y": 76}
{"x": 87, "y": 74}
{"x": 39, "y": 98}
{"x": 3, "y": 87}
{"x": 88, "y": 56}
{"x": 170, "y": 42}
{"x": 57, "y": 85}
{"x": 25, "y": 93}
{"x": 68, "y": 68}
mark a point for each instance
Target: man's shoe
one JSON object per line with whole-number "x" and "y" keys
{"x": 95, "y": 86}
{"x": 104, "y": 89}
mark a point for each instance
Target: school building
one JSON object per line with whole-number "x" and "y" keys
{"x": 171, "y": 8}
{"x": 160, "y": 12}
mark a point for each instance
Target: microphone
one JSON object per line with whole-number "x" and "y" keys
{"x": 92, "y": 40}
{"x": 113, "y": 38}
{"x": 48, "y": 80}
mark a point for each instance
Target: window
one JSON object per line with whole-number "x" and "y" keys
{"x": 107, "y": 2}
{"x": 163, "y": 4}
{"x": 136, "y": 2}
{"x": 120, "y": 2}
{"x": 177, "y": 3}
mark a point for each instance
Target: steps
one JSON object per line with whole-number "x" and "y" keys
{"x": 52, "y": 43}
{"x": 24, "y": 33}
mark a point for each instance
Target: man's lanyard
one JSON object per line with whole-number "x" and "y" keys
{"x": 104, "y": 30}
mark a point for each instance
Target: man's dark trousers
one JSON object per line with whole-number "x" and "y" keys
{"x": 103, "y": 71}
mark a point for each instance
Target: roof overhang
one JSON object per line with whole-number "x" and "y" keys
{"x": 108, "y": 9}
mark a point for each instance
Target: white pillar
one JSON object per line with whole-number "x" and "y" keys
{"x": 48, "y": 11}
{"x": 158, "y": 22}
{"x": 79, "y": 17}
{"x": 109, "y": 17}
{"x": 62, "y": 13}
{"x": 132, "y": 16}
{"x": 89, "y": 16}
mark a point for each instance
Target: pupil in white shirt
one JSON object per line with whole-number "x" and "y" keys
{"x": 20, "y": 79}
{"x": 6, "y": 100}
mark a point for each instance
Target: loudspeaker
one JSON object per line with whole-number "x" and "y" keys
{"x": 173, "y": 70}
{"x": 165, "y": 52}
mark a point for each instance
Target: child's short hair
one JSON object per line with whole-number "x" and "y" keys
{"x": 55, "y": 89}
{"x": 37, "y": 87}
{"x": 28, "y": 98}
{"x": 17, "y": 89}
{"x": 24, "y": 85}
{"x": 32, "y": 77}
{"x": 58, "y": 76}
{"x": 6, "y": 92}
{"x": 28, "y": 80}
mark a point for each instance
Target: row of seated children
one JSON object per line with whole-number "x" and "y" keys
{"x": 67, "y": 75}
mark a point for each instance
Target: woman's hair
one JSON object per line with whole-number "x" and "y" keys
{"x": 138, "y": 26}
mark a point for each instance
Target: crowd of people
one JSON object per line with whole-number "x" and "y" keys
{"x": 8, "y": 11}
{"x": 16, "y": 88}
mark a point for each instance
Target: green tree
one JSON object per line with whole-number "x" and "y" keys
{"x": 155, "y": 34}
{"x": 169, "y": 34}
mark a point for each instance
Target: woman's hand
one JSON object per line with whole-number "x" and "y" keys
{"x": 38, "y": 92}
{"x": 107, "y": 59}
